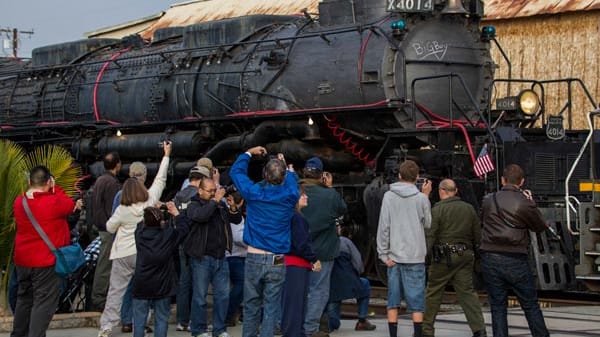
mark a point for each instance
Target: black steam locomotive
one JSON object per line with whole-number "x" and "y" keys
{"x": 364, "y": 85}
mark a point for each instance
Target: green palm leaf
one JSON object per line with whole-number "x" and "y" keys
{"x": 13, "y": 182}
{"x": 60, "y": 163}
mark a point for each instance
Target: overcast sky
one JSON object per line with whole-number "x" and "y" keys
{"x": 56, "y": 21}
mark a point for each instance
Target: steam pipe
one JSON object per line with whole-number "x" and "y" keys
{"x": 266, "y": 132}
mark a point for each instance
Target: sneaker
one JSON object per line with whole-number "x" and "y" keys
{"x": 105, "y": 333}
{"x": 364, "y": 326}
{"x": 224, "y": 334}
{"x": 182, "y": 327}
{"x": 127, "y": 328}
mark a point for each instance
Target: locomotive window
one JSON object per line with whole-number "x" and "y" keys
{"x": 410, "y": 5}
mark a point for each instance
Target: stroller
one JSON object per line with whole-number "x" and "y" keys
{"x": 77, "y": 288}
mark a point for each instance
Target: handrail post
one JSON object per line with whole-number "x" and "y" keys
{"x": 572, "y": 170}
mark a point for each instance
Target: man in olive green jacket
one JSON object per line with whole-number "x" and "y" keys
{"x": 455, "y": 229}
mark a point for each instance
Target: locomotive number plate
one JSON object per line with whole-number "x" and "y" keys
{"x": 410, "y": 5}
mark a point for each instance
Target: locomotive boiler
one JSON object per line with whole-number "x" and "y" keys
{"x": 364, "y": 85}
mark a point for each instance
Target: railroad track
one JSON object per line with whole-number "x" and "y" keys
{"x": 377, "y": 305}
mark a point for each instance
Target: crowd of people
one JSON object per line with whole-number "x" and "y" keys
{"x": 272, "y": 250}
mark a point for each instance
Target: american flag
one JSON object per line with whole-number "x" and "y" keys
{"x": 484, "y": 163}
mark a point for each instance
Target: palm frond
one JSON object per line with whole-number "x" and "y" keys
{"x": 13, "y": 182}
{"x": 60, "y": 163}
{"x": 11, "y": 177}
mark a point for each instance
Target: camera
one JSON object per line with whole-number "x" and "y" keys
{"x": 420, "y": 182}
{"x": 161, "y": 144}
{"x": 164, "y": 210}
{"x": 230, "y": 189}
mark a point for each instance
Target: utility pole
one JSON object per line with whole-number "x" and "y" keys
{"x": 15, "y": 37}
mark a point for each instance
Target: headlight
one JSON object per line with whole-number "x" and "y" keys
{"x": 529, "y": 102}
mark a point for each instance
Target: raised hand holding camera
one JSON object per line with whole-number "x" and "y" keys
{"x": 427, "y": 187}
{"x": 233, "y": 207}
{"x": 167, "y": 146}
{"x": 257, "y": 151}
{"x": 219, "y": 194}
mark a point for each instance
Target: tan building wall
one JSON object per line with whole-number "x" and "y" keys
{"x": 550, "y": 47}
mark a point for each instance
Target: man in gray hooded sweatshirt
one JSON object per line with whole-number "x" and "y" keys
{"x": 405, "y": 213}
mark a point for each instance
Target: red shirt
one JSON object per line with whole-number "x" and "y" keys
{"x": 51, "y": 211}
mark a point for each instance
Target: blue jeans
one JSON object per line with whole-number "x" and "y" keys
{"x": 184, "y": 291}
{"x": 503, "y": 272}
{"x": 318, "y": 296}
{"x": 205, "y": 271}
{"x": 126, "y": 305}
{"x": 162, "y": 310}
{"x": 333, "y": 308}
{"x": 407, "y": 279}
{"x": 236, "y": 276}
{"x": 263, "y": 283}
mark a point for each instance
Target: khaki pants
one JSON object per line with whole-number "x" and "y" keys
{"x": 120, "y": 275}
{"x": 460, "y": 275}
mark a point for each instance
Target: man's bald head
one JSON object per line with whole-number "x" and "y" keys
{"x": 447, "y": 189}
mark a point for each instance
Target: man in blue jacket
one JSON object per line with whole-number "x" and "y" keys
{"x": 269, "y": 205}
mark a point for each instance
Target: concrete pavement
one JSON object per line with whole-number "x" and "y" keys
{"x": 561, "y": 321}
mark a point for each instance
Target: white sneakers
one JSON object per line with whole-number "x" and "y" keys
{"x": 182, "y": 327}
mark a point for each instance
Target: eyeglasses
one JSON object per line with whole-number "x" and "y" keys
{"x": 213, "y": 190}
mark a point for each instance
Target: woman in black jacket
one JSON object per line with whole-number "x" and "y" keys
{"x": 155, "y": 279}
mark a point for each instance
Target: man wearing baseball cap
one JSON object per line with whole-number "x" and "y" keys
{"x": 325, "y": 206}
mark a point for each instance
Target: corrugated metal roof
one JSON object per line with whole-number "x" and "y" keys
{"x": 507, "y": 9}
{"x": 191, "y": 12}
{"x": 200, "y": 11}
{"x": 123, "y": 25}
